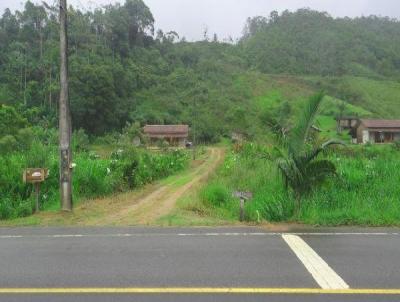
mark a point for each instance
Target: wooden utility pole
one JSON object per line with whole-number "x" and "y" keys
{"x": 194, "y": 130}
{"x": 64, "y": 116}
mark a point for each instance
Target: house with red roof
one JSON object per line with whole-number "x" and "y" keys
{"x": 377, "y": 131}
{"x": 175, "y": 135}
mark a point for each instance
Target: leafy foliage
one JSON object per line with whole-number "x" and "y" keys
{"x": 93, "y": 176}
{"x": 312, "y": 42}
{"x": 121, "y": 71}
{"x": 298, "y": 164}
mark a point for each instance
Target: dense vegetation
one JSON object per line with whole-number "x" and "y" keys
{"x": 311, "y": 42}
{"x": 363, "y": 191}
{"x": 120, "y": 70}
{"x": 94, "y": 176}
{"x": 124, "y": 75}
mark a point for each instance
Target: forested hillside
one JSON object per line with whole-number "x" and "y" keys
{"x": 311, "y": 42}
{"x": 122, "y": 71}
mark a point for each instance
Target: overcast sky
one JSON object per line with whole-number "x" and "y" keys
{"x": 227, "y": 17}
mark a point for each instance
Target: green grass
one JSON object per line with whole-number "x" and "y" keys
{"x": 191, "y": 211}
{"x": 365, "y": 190}
{"x": 380, "y": 97}
{"x": 330, "y": 107}
{"x": 92, "y": 177}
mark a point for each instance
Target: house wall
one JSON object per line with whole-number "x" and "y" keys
{"x": 367, "y": 136}
{"x": 173, "y": 142}
{"x": 363, "y": 135}
{"x": 182, "y": 142}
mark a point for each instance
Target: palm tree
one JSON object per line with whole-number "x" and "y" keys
{"x": 298, "y": 162}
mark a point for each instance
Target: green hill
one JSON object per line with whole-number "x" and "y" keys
{"x": 128, "y": 73}
{"x": 380, "y": 97}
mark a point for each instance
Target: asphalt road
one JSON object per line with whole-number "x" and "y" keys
{"x": 198, "y": 264}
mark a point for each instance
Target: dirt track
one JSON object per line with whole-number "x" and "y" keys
{"x": 160, "y": 202}
{"x": 141, "y": 207}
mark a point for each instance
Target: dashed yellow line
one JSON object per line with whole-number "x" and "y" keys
{"x": 198, "y": 290}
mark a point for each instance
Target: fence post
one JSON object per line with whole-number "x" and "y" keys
{"x": 241, "y": 209}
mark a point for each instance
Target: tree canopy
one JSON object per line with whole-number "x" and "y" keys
{"x": 122, "y": 71}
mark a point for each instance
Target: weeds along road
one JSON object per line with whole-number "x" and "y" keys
{"x": 140, "y": 207}
{"x": 198, "y": 264}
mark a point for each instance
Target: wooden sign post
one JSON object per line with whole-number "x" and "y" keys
{"x": 35, "y": 176}
{"x": 243, "y": 196}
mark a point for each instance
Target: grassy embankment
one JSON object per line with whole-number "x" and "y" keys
{"x": 142, "y": 205}
{"x": 93, "y": 176}
{"x": 365, "y": 190}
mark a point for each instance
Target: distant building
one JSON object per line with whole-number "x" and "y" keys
{"x": 346, "y": 122}
{"x": 376, "y": 131}
{"x": 174, "y": 135}
{"x": 237, "y": 137}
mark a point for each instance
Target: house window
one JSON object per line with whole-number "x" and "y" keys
{"x": 379, "y": 137}
{"x": 388, "y": 137}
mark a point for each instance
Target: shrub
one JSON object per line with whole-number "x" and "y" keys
{"x": 25, "y": 138}
{"x": 8, "y": 143}
{"x": 93, "y": 177}
{"x": 6, "y": 209}
{"x": 24, "y": 209}
{"x": 215, "y": 195}
{"x": 396, "y": 145}
{"x": 271, "y": 203}
{"x": 80, "y": 140}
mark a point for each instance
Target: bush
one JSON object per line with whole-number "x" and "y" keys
{"x": 80, "y": 140}
{"x": 138, "y": 167}
{"x": 396, "y": 145}
{"x": 25, "y": 138}
{"x": 6, "y": 209}
{"x": 24, "y": 209}
{"x": 93, "y": 177}
{"x": 270, "y": 203}
{"x": 215, "y": 195}
{"x": 8, "y": 143}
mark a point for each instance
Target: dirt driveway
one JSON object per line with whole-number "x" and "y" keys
{"x": 140, "y": 207}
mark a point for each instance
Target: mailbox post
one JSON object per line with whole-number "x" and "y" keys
{"x": 37, "y": 190}
{"x": 35, "y": 176}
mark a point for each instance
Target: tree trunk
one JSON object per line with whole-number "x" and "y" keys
{"x": 25, "y": 102}
{"x": 50, "y": 85}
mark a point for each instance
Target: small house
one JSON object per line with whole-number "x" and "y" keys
{"x": 237, "y": 137}
{"x": 174, "y": 135}
{"x": 377, "y": 131}
{"x": 346, "y": 122}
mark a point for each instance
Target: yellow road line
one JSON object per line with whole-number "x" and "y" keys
{"x": 198, "y": 290}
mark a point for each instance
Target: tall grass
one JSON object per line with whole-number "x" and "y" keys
{"x": 365, "y": 191}
{"x": 92, "y": 177}
{"x": 249, "y": 170}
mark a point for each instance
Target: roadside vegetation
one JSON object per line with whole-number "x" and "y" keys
{"x": 124, "y": 169}
{"x": 363, "y": 191}
{"x": 124, "y": 75}
{"x": 311, "y": 183}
